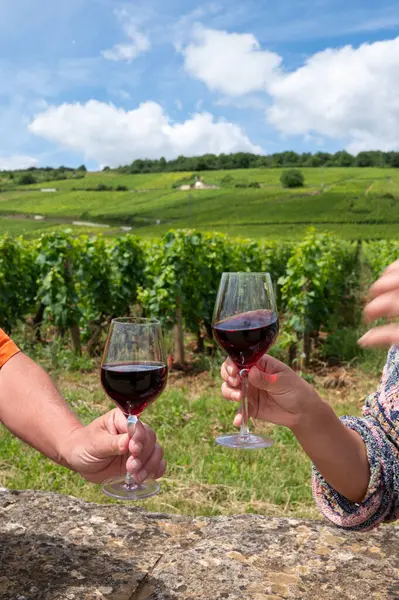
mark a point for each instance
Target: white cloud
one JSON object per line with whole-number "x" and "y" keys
{"x": 346, "y": 93}
{"x": 12, "y": 163}
{"x": 137, "y": 44}
{"x": 113, "y": 136}
{"x": 231, "y": 63}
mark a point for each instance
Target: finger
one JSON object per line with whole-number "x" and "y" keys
{"x": 153, "y": 463}
{"x": 387, "y": 283}
{"x": 233, "y": 380}
{"x": 381, "y": 336}
{"x": 143, "y": 442}
{"x": 156, "y": 475}
{"x": 106, "y": 445}
{"x": 142, "y": 470}
{"x": 140, "y": 439}
{"x": 269, "y": 364}
{"x": 238, "y": 418}
{"x": 119, "y": 421}
{"x": 261, "y": 379}
{"x": 231, "y": 393}
{"x": 386, "y": 305}
{"x": 161, "y": 470}
{"x": 230, "y": 368}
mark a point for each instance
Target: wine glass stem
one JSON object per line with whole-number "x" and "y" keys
{"x": 244, "y": 430}
{"x": 132, "y": 421}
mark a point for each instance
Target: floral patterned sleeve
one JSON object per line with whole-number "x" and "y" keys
{"x": 379, "y": 428}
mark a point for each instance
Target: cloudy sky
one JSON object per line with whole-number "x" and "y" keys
{"x": 104, "y": 82}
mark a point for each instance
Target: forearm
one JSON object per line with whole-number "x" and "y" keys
{"x": 32, "y": 408}
{"x": 337, "y": 452}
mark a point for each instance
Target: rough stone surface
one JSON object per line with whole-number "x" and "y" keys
{"x": 60, "y": 548}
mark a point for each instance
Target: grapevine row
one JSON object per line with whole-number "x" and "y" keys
{"x": 78, "y": 284}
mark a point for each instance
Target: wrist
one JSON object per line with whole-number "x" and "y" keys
{"x": 317, "y": 416}
{"x": 67, "y": 444}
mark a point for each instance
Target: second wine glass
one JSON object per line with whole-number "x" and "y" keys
{"x": 245, "y": 325}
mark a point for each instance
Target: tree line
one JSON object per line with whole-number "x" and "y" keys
{"x": 213, "y": 162}
{"x": 245, "y": 160}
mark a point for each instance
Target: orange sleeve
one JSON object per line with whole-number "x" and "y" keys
{"x": 7, "y": 348}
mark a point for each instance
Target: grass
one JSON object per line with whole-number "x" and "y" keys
{"x": 202, "y": 478}
{"x": 28, "y": 228}
{"x": 356, "y": 203}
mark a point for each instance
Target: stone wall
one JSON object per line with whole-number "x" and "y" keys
{"x": 56, "y": 547}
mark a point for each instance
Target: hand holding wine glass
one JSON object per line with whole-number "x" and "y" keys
{"x": 276, "y": 393}
{"x": 245, "y": 325}
{"x": 133, "y": 374}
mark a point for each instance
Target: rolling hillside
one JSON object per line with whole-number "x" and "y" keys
{"x": 354, "y": 202}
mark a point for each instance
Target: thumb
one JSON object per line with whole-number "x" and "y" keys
{"x": 261, "y": 380}
{"x": 107, "y": 445}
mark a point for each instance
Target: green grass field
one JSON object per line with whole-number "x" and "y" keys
{"x": 353, "y": 202}
{"x": 28, "y": 228}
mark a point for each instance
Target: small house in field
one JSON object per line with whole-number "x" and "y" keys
{"x": 198, "y": 185}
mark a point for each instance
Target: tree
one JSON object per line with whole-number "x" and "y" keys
{"x": 292, "y": 178}
{"x": 395, "y": 160}
{"x": 343, "y": 159}
{"x": 82, "y": 168}
{"x": 365, "y": 159}
{"x": 290, "y": 158}
{"x": 26, "y": 179}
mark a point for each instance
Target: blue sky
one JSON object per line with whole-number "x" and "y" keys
{"x": 103, "y": 82}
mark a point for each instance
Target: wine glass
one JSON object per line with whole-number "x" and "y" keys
{"x": 245, "y": 325}
{"x": 133, "y": 374}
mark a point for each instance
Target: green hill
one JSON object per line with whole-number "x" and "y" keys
{"x": 354, "y": 202}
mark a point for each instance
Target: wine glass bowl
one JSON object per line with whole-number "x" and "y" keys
{"x": 133, "y": 374}
{"x": 245, "y": 325}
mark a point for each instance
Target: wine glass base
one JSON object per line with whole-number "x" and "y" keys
{"x": 116, "y": 488}
{"x": 247, "y": 442}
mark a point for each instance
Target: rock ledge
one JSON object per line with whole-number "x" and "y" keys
{"x": 60, "y": 548}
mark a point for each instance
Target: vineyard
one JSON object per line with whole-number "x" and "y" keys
{"x": 73, "y": 286}
{"x": 356, "y": 203}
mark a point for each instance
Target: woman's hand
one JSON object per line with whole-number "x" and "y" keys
{"x": 384, "y": 303}
{"x": 275, "y": 393}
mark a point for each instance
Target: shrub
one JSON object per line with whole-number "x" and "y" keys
{"x": 247, "y": 184}
{"x": 292, "y": 178}
{"x": 227, "y": 179}
{"x": 26, "y": 179}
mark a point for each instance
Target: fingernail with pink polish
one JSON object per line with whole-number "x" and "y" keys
{"x": 270, "y": 377}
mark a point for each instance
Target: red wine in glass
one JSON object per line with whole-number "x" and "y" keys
{"x": 247, "y": 336}
{"x": 133, "y": 375}
{"x": 133, "y": 386}
{"x": 245, "y": 325}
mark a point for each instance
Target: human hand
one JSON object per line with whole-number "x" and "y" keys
{"x": 384, "y": 302}
{"x": 100, "y": 450}
{"x": 275, "y": 392}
